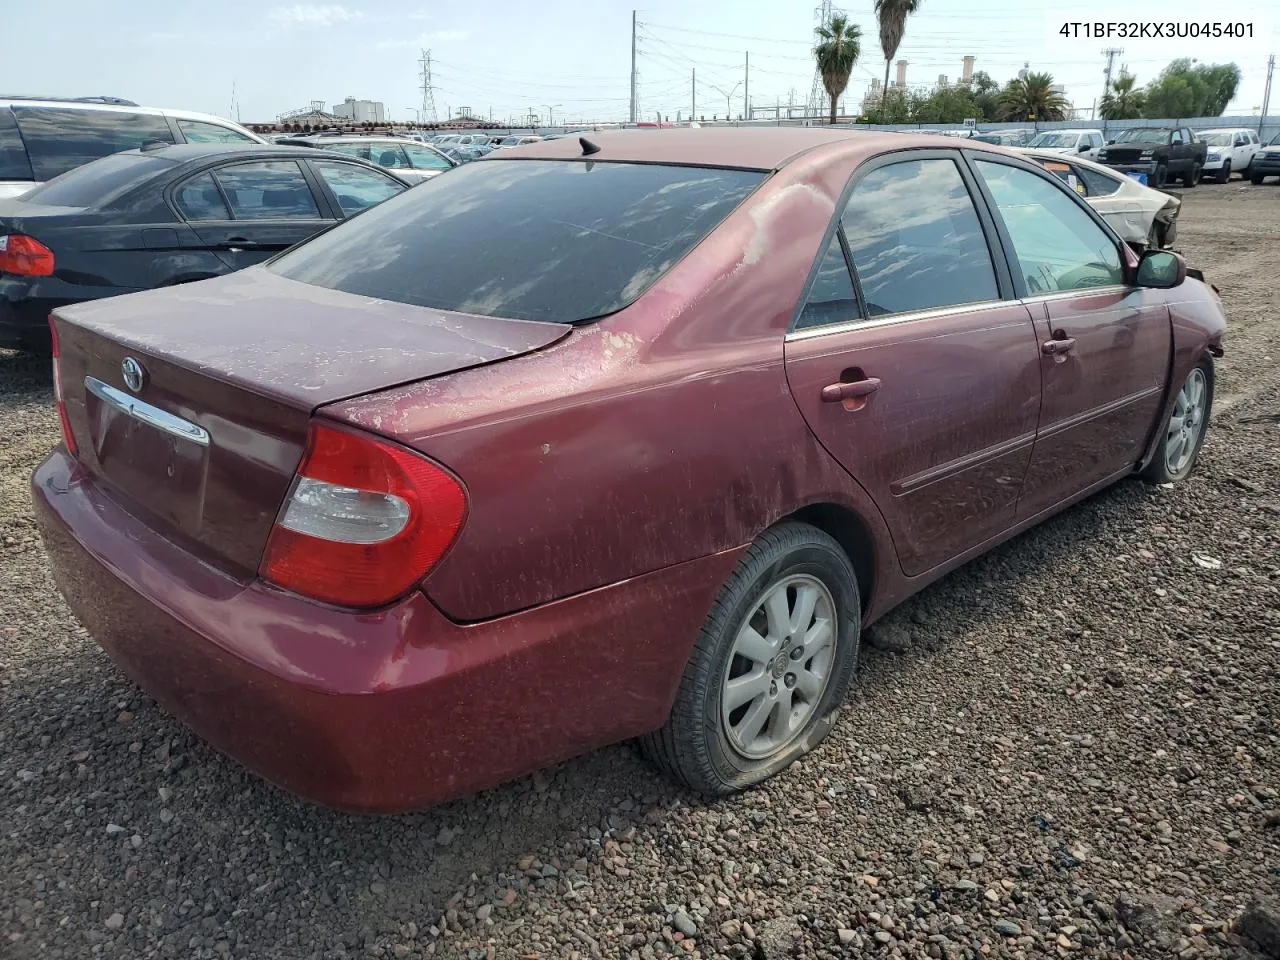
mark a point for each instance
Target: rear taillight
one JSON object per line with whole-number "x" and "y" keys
{"x": 25, "y": 256}
{"x": 365, "y": 520}
{"x": 67, "y": 437}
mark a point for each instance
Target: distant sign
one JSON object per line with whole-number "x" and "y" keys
{"x": 970, "y": 122}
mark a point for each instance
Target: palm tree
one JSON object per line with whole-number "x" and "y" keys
{"x": 1033, "y": 98}
{"x": 839, "y": 45}
{"x": 892, "y": 15}
{"x": 1122, "y": 102}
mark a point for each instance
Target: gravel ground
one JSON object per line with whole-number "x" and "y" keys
{"x": 1074, "y": 751}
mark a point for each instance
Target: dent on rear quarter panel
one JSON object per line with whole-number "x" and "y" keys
{"x": 663, "y": 433}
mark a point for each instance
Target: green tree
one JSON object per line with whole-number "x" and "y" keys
{"x": 1188, "y": 89}
{"x": 946, "y": 105}
{"x": 986, "y": 96}
{"x": 892, "y": 16}
{"x": 1123, "y": 101}
{"x": 838, "y": 49}
{"x": 1032, "y": 98}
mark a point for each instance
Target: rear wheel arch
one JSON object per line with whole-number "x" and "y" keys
{"x": 853, "y": 534}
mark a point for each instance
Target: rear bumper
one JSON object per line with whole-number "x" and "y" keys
{"x": 376, "y": 711}
{"x": 26, "y": 302}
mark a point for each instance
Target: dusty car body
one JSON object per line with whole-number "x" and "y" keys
{"x": 638, "y": 522}
{"x": 1142, "y": 216}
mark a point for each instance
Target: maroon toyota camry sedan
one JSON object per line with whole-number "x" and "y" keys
{"x": 600, "y": 439}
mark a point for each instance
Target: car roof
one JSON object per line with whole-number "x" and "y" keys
{"x": 748, "y": 148}
{"x": 189, "y": 152}
{"x": 1226, "y": 130}
{"x": 70, "y": 104}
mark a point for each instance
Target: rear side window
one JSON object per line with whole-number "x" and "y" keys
{"x": 553, "y": 240}
{"x": 14, "y": 164}
{"x": 360, "y": 150}
{"x": 96, "y": 184}
{"x": 198, "y": 199}
{"x": 1098, "y": 184}
{"x": 60, "y": 138}
{"x": 268, "y": 190}
{"x": 916, "y": 240}
{"x": 832, "y": 299}
{"x": 197, "y": 131}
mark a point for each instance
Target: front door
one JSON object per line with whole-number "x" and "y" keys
{"x": 247, "y": 212}
{"x": 1104, "y": 346}
{"x": 924, "y": 382}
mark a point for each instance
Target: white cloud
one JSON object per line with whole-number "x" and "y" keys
{"x": 422, "y": 39}
{"x": 313, "y": 15}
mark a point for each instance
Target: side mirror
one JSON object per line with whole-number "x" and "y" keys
{"x": 1111, "y": 141}
{"x": 1160, "y": 270}
{"x": 1083, "y": 148}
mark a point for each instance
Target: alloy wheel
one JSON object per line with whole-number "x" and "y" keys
{"x": 779, "y": 667}
{"x": 1186, "y": 423}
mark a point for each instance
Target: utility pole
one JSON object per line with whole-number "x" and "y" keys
{"x": 746, "y": 87}
{"x": 693, "y": 95}
{"x": 1266, "y": 95}
{"x": 633, "y": 66}
{"x": 1110, "y": 53}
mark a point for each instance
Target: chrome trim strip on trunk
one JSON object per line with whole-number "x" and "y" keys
{"x": 152, "y": 415}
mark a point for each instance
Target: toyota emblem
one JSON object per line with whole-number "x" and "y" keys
{"x": 135, "y": 377}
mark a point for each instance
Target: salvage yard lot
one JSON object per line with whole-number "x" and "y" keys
{"x": 1075, "y": 753}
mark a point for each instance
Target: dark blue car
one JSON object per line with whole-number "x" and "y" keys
{"x": 172, "y": 214}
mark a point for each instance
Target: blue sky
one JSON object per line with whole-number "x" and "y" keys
{"x": 569, "y": 57}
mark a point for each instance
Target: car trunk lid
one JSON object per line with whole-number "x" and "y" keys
{"x": 232, "y": 369}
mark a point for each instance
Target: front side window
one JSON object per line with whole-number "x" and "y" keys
{"x": 357, "y": 188}
{"x": 424, "y": 158}
{"x": 389, "y": 155}
{"x": 197, "y": 131}
{"x": 1175, "y": 138}
{"x": 916, "y": 240}
{"x": 1058, "y": 246}
{"x": 831, "y": 300}
{"x": 268, "y": 190}
{"x": 557, "y": 240}
{"x": 62, "y": 138}
{"x": 198, "y": 199}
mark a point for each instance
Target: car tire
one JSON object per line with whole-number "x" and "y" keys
{"x": 1225, "y": 173}
{"x": 1193, "y": 176}
{"x": 1161, "y": 176}
{"x": 717, "y": 747}
{"x": 1181, "y": 438}
{"x": 1255, "y": 178}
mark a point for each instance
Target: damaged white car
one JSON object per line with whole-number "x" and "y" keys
{"x": 1143, "y": 217}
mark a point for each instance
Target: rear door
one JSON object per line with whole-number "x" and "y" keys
{"x": 248, "y": 211}
{"x": 918, "y": 371}
{"x": 1104, "y": 346}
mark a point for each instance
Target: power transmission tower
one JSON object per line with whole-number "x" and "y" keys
{"x": 817, "y": 92}
{"x": 428, "y": 91}
{"x": 1110, "y": 53}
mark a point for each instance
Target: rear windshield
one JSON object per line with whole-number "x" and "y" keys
{"x": 63, "y": 138}
{"x": 550, "y": 240}
{"x": 97, "y": 184}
